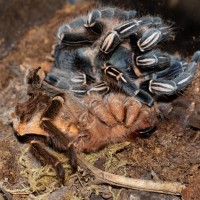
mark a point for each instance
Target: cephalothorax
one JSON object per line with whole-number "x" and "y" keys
{"x": 112, "y": 50}
{"x": 52, "y": 117}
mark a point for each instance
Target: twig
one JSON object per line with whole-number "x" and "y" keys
{"x": 138, "y": 184}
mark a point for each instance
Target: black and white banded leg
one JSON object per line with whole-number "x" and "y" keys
{"x": 84, "y": 31}
{"x": 94, "y": 19}
{"x": 74, "y": 35}
{"x": 116, "y": 78}
{"x": 153, "y": 60}
{"x": 100, "y": 88}
{"x": 134, "y": 27}
{"x": 162, "y": 86}
{"x": 151, "y": 37}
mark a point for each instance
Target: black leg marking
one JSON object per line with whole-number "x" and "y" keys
{"x": 80, "y": 79}
{"x": 93, "y": 24}
{"x": 79, "y": 91}
{"x": 111, "y": 41}
{"x": 67, "y": 28}
{"x": 113, "y": 72}
{"x": 144, "y": 97}
{"x": 147, "y": 132}
{"x": 73, "y": 35}
{"x": 151, "y": 37}
{"x": 75, "y": 40}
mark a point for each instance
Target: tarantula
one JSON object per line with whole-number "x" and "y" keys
{"x": 112, "y": 50}
{"x": 106, "y": 72}
{"x": 52, "y": 117}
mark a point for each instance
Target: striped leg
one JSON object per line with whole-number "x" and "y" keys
{"x": 119, "y": 80}
{"x": 74, "y": 35}
{"x": 177, "y": 83}
{"x": 84, "y": 31}
{"x": 94, "y": 20}
{"x": 148, "y": 36}
{"x": 151, "y": 61}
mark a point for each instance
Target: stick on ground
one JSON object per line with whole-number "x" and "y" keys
{"x": 138, "y": 184}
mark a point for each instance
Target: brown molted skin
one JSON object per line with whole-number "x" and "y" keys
{"x": 70, "y": 124}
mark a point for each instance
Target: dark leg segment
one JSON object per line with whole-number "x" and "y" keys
{"x": 134, "y": 27}
{"x": 177, "y": 82}
{"x": 54, "y": 107}
{"x": 116, "y": 77}
{"x": 94, "y": 20}
{"x": 153, "y": 60}
{"x": 38, "y": 150}
{"x": 74, "y": 35}
{"x": 60, "y": 141}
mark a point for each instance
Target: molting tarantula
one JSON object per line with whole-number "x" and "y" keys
{"x": 112, "y": 50}
{"x": 107, "y": 70}
{"x": 69, "y": 124}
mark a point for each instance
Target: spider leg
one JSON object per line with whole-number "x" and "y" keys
{"x": 131, "y": 120}
{"x": 74, "y": 35}
{"x": 34, "y": 79}
{"x": 100, "y": 88}
{"x": 150, "y": 37}
{"x": 57, "y": 138}
{"x": 133, "y": 108}
{"x": 143, "y": 34}
{"x": 145, "y": 123}
{"x": 60, "y": 141}
{"x": 152, "y": 60}
{"x": 115, "y": 77}
{"x": 38, "y": 150}
{"x": 94, "y": 20}
{"x": 97, "y": 108}
{"x": 115, "y": 104}
{"x": 84, "y": 31}
{"x": 171, "y": 86}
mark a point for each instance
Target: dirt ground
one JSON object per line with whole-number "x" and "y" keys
{"x": 172, "y": 153}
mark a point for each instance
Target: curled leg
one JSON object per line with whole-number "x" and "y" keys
{"x": 146, "y": 31}
{"x": 177, "y": 82}
{"x": 132, "y": 119}
{"x": 115, "y": 104}
{"x": 94, "y": 21}
{"x": 74, "y": 35}
{"x": 120, "y": 80}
